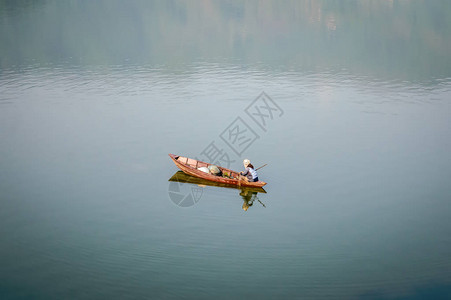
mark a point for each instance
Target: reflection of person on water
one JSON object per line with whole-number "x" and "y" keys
{"x": 250, "y": 172}
{"x": 248, "y": 198}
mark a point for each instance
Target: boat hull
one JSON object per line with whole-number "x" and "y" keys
{"x": 181, "y": 176}
{"x": 189, "y": 166}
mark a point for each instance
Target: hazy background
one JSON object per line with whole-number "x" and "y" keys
{"x": 95, "y": 94}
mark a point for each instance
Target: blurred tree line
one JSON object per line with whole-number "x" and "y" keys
{"x": 405, "y": 39}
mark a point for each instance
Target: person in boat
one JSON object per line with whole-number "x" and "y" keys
{"x": 249, "y": 171}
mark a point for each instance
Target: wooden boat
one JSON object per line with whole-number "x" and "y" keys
{"x": 180, "y": 176}
{"x": 190, "y": 166}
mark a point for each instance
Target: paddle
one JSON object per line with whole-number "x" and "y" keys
{"x": 261, "y": 167}
{"x": 260, "y": 202}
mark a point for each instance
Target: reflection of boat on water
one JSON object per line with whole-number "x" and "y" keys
{"x": 179, "y": 176}
{"x": 248, "y": 194}
{"x": 191, "y": 166}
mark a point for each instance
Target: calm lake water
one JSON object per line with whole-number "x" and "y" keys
{"x": 356, "y": 135}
